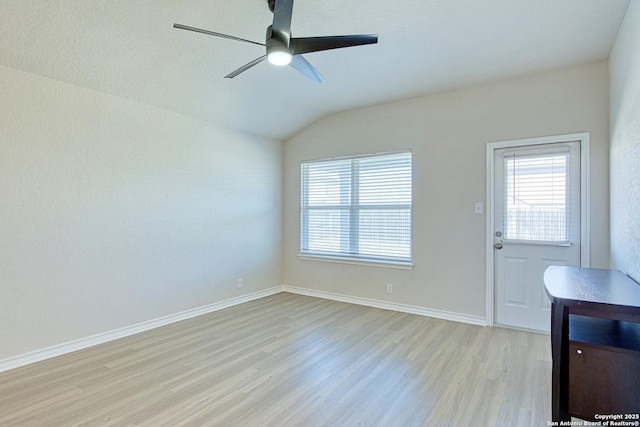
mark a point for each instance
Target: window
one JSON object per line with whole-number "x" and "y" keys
{"x": 357, "y": 208}
{"x": 537, "y": 197}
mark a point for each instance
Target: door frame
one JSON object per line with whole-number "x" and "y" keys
{"x": 585, "y": 231}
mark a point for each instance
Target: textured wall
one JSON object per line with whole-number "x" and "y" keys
{"x": 624, "y": 66}
{"x": 448, "y": 133}
{"x": 113, "y": 213}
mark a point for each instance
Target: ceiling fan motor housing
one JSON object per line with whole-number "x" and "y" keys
{"x": 274, "y": 44}
{"x": 273, "y": 39}
{"x": 278, "y": 53}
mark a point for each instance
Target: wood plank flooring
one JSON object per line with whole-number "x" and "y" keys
{"x": 291, "y": 360}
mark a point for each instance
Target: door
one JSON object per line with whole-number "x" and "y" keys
{"x": 536, "y": 224}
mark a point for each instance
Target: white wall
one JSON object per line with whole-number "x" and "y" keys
{"x": 624, "y": 67}
{"x": 448, "y": 133}
{"x": 114, "y": 213}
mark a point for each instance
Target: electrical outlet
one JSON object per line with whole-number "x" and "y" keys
{"x": 389, "y": 288}
{"x": 240, "y": 284}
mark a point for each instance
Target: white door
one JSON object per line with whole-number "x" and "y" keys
{"x": 537, "y": 224}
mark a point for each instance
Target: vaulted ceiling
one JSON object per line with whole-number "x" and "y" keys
{"x": 129, "y": 49}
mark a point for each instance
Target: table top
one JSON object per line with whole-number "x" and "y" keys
{"x": 592, "y": 288}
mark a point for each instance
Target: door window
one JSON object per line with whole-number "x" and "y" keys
{"x": 537, "y": 197}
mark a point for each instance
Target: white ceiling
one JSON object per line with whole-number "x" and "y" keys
{"x": 129, "y": 49}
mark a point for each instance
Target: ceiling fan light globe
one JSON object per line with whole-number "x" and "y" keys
{"x": 279, "y": 57}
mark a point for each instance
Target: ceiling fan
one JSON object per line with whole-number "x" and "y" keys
{"x": 282, "y": 49}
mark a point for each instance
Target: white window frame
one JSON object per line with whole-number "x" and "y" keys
{"x": 558, "y": 149}
{"x": 353, "y": 210}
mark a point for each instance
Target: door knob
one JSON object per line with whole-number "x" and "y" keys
{"x": 498, "y": 245}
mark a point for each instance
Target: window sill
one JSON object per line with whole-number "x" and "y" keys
{"x": 356, "y": 261}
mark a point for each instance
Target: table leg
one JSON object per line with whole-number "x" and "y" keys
{"x": 560, "y": 370}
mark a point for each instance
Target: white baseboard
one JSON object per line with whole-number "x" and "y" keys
{"x": 404, "y": 308}
{"x": 82, "y": 343}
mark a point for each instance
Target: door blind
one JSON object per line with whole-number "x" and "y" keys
{"x": 537, "y": 197}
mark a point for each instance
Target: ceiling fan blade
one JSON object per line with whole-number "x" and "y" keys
{"x": 304, "y": 67}
{"x": 245, "y": 67}
{"x": 315, "y": 44}
{"x": 282, "y": 20}
{"x": 211, "y": 33}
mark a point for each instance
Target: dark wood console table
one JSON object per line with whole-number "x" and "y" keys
{"x": 595, "y": 342}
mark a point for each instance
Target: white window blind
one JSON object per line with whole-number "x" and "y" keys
{"x": 357, "y": 208}
{"x": 537, "y": 197}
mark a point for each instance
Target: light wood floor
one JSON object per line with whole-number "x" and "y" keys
{"x": 291, "y": 360}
